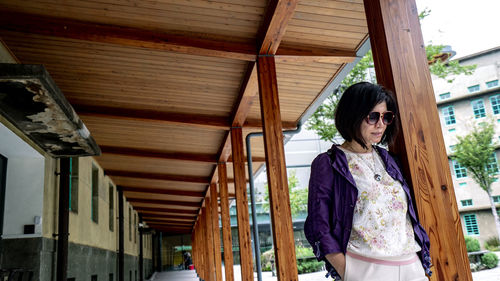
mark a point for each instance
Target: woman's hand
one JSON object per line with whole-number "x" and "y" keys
{"x": 337, "y": 260}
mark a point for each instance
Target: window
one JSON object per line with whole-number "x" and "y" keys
{"x": 94, "y": 209}
{"x": 111, "y": 278}
{"x": 129, "y": 224}
{"x": 452, "y": 148}
{"x": 93, "y": 278}
{"x": 73, "y": 184}
{"x": 492, "y": 165}
{"x": 471, "y": 224}
{"x": 462, "y": 184}
{"x": 495, "y": 103}
{"x": 449, "y": 115}
{"x": 111, "y": 208}
{"x": 492, "y": 84}
{"x": 135, "y": 229}
{"x": 466, "y": 203}
{"x": 460, "y": 172}
{"x": 451, "y": 130}
{"x": 444, "y": 96}
{"x": 473, "y": 89}
{"x": 478, "y": 108}
{"x": 496, "y": 199}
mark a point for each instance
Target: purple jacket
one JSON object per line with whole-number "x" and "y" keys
{"x": 332, "y": 198}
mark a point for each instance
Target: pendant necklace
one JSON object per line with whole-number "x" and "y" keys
{"x": 376, "y": 176}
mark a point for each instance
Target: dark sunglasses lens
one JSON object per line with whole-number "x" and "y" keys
{"x": 373, "y": 117}
{"x": 388, "y": 118}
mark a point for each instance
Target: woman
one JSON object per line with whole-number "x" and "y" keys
{"x": 361, "y": 219}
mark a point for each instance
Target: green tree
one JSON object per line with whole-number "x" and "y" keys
{"x": 475, "y": 152}
{"x": 298, "y": 195}
{"x": 322, "y": 121}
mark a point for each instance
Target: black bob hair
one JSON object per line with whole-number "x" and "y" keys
{"x": 354, "y": 106}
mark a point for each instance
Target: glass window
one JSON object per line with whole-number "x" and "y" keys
{"x": 452, "y": 148}
{"x": 460, "y": 171}
{"x": 94, "y": 209}
{"x": 496, "y": 199}
{"x": 478, "y": 108}
{"x": 449, "y": 115}
{"x": 73, "y": 184}
{"x": 492, "y": 163}
{"x": 462, "y": 184}
{"x": 471, "y": 224}
{"x": 492, "y": 84}
{"x": 495, "y": 103}
{"x": 466, "y": 203}
{"x": 444, "y": 96}
{"x": 473, "y": 89}
{"x": 452, "y": 130}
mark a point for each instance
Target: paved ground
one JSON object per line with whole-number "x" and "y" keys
{"x": 190, "y": 275}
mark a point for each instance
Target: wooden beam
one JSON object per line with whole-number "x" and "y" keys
{"x": 163, "y": 202}
{"x": 170, "y": 221}
{"x": 170, "y": 224}
{"x": 401, "y": 65}
{"x": 279, "y": 13}
{"x": 166, "y": 210}
{"x": 163, "y": 191}
{"x": 157, "y": 176}
{"x": 314, "y": 54}
{"x": 216, "y": 231}
{"x": 167, "y": 216}
{"x": 226, "y": 222}
{"x": 279, "y": 200}
{"x": 242, "y": 216}
{"x": 129, "y": 114}
{"x": 125, "y": 36}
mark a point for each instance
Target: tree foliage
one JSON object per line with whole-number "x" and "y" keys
{"x": 298, "y": 195}
{"x": 475, "y": 152}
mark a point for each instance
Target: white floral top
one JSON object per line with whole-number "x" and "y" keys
{"x": 381, "y": 226}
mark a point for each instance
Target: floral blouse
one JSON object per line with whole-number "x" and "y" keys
{"x": 381, "y": 225}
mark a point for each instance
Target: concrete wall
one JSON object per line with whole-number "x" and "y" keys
{"x": 485, "y": 222}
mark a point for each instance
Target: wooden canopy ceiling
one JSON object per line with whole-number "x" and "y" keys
{"x": 160, "y": 83}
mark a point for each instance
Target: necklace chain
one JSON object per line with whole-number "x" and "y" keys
{"x": 377, "y": 176}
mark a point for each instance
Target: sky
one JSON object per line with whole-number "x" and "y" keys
{"x": 468, "y": 26}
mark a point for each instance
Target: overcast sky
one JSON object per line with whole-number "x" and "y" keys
{"x": 468, "y": 26}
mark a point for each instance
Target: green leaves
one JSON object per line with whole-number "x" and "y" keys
{"x": 298, "y": 195}
{"x": 474, "y": 152}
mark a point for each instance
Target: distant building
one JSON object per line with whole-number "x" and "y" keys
{"x": 466, "y": 100}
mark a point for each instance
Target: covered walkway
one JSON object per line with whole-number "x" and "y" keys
{"x": 170, "y": 89}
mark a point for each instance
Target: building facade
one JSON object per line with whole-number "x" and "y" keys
{"x": 468, "y": 100}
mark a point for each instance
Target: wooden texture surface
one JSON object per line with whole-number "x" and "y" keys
{"x": 226, "y": 222}
{"x": 279, "y": 13}
{"x": 210, "y": 240}
{"x": 216, "y": 232}
{"x": 401, "y": 65}
{"x": 279, "y": 200}
{"x": 242, "y": 216}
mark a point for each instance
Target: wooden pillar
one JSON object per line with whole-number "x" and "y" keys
{"x": 141, "y": 250}
{"x": 401, "y": 65}
{"x": 209, "y": 239}
{"x": 226, "y": 222}
{"x": 63, "y": 222}
{"x": 216, "y": 232}
{"x": 279, "y": 199}
{"x": 240, "y": 187}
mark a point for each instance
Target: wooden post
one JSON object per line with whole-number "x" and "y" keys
{"x": 240, "y": 187}
{"x": 141, "y": 251}
{"x": 279, "y": 199}
{"x": 63, "y": 228}
{"x": 226, "y": 222}
{"x": 216, "y": 232}
{"x": 209, "y": 239}
{"x": 401, "y": 65}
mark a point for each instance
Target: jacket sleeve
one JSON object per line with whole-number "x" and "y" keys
{"x": 318, "y": 228}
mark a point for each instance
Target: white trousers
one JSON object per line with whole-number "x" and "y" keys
{"x": 360, "y": 268}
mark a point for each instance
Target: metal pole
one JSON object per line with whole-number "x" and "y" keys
{"x": 256, "y": 240}
{"x": 121, "y": 242}
{"x": 62, "y": 242}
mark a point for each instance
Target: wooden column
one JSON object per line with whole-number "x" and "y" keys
{"x": 226, "y": 222}
{"x": 401, "y": 65}
{"x": 216, "y": 232}
{"x": 210, "y": 239}
{"x": 240, "y": 187}
{"x": 279, "y": 199}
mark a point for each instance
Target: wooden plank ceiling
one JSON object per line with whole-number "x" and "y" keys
{"x": 160, "y": 83}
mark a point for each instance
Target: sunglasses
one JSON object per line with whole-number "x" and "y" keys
{"x": 387, "y": 117}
